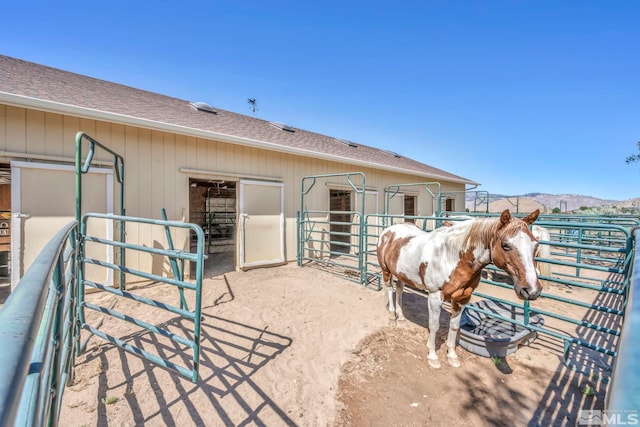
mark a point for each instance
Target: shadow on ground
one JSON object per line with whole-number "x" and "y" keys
{"x": 231, "y": 353}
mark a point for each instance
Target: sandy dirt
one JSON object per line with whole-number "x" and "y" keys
{"x": 299, "y": 346}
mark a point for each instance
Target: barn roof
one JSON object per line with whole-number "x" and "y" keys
{"x": 37, "y": 86}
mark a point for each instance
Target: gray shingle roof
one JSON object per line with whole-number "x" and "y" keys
{"x": 35, "y": 81}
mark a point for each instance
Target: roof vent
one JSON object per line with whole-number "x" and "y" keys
{"x": 282, "y": 126}
{"x": 394, "y": 154}
{"x": 347, "y": 142}
{"x": 203, "y": 106}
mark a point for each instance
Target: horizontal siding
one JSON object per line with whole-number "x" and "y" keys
{"x": 153, "y": 160}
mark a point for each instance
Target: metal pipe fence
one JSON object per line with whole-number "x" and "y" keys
{"x": 171, "y": 256}
{"x": 590, "y": 272}
{"x": 624, "y": 390}
{"x": 337, "y": 249}
{"x": 332, "y": 238}
{"x": 41, "y": 321}
{"x": 590, "y": 258}
{"x": 37, "y": 333}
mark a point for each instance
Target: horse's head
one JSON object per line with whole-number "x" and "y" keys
{"x": 513, "y": 248}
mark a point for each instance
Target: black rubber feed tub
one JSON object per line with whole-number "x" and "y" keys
{"x": 489, "y": 336}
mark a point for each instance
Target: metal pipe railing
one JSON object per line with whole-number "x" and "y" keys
{"x": 37, "y": 356}
{"x": 624, "y": 388}
{"x": 170, "y": 255}
{"x": 614, "y": 287}
{"x": 83, "y": 168}
{"x": 355, "y": 182}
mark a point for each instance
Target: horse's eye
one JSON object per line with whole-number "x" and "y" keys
{"x": 506, "y": 247}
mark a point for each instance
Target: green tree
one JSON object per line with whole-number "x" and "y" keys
{"x": 555, "y": 210}
{"x": 634, "y": 157}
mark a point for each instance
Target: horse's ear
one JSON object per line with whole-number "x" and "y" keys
{"x": 530, "y": 219}
{"x": 505, "y": 217}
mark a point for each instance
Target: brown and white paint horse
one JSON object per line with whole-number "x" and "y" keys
{"x": 447, "y": 263}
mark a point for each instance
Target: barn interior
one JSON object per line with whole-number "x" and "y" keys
{"x": 212, "y": 205}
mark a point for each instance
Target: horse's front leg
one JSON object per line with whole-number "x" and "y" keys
{"x": 452, "y": 336}
{"x": 459, "y": 299}
{"x": 435, "y": 303}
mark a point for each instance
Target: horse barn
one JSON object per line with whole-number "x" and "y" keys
{"x": 203, "y": 165}
{"x": 133, "y": 225}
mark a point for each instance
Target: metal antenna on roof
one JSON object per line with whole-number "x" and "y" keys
{"x": 253, "y": 105}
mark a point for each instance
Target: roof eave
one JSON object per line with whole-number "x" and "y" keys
{"x": 90, "y": 113}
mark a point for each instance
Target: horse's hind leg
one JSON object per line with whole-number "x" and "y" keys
{"x": 387, "y": 280}
{"x": 399, "y": 292}
{"x": 435, "y": 303}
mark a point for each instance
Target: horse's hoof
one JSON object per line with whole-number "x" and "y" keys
{"x": 454, "y": 362}
{"x": 401, "y": 319}
{"x": 434, "y": 363}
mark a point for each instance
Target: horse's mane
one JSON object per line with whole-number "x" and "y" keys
{"x": 481, "y": 231}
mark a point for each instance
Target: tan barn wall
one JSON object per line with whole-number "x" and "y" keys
{"x": 153, "y": 160}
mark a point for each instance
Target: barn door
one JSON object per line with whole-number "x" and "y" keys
{"x": 261, "y": 224}
{"x": 43, "y": 201}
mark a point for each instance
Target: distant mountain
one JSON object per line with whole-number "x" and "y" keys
{"x": 543, "y": 201}
{"x": 568, "y": 202}
{"x": 630, "y": 203}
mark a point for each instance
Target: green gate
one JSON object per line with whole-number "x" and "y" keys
{"x": 332, "y": 238}
{"x": 42, "y": 321}
{"x": 166, "y": 254}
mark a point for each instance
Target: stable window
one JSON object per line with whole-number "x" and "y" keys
{"x": 450, "y": 205}
{"x": 410, "y": 207}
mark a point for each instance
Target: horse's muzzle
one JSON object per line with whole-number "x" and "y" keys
{"x": 527, "y": 293}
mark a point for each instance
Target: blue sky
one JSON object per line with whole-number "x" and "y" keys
{"x": 521, "y": 96}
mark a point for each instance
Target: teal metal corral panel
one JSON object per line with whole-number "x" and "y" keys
{"x": 624, "y": 390}
{"x": 332, "y": 237}
{"x": 36, "y": 331}
{"x": 41, "y": 322}
{"x": 588, "y": 254}
{"x": 173, "y": 256}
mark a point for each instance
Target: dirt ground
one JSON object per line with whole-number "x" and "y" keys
{"x": 299, "y": 346}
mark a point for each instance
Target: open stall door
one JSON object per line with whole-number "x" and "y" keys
{"x": 43, "y": 201}
{"x": 261, "y": 224}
